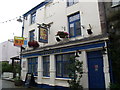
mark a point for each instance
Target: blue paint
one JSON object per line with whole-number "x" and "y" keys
{"x": 37, "y": 7}
{"x": 95, "y": 69}
{"x": 65, "y": 49}
{"x": 51, "y": 87}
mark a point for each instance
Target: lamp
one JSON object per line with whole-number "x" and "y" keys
{"x": 77, "y": 52}
{"x": 89, "y": 31}
{"x": 19, "y": 19}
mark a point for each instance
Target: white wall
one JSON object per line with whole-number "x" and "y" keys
{"x": 8, "y": 50}
{"x": 57, "y": 13}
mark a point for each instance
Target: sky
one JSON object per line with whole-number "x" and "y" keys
{"x": 10, "y": 10}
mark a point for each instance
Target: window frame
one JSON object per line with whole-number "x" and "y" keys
{"x": 73, "y": 22}
{"x": 46, "y": 62}
{"x": 33, "y": 18}
{"x": 69, "y": 3}
{"x": 63, "y": 63}
{"x": 31, "y": 37}
{"x": 33, "y": 62}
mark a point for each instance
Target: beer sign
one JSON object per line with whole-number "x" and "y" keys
{"x": 18, "y": 41}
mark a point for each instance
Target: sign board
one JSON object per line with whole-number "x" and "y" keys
{"x": 18, "y": 41}
{"x": 43, "y": 34}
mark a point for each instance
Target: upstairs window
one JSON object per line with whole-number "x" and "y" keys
{"x": 71, "y": 2}
{"x": 33, "y": 16}
{"x": 31, "y": 35}
{"x": 74, "y": 25}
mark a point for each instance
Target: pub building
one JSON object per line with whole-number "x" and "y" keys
{"x": 58, "y": 30}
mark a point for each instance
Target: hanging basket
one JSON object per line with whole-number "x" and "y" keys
{"x": 33, "y": 44}
{"x": 62, "y": 34}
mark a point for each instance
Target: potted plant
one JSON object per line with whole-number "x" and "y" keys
{"x": 62, "y": 34}
{"x": 33, "y": 44}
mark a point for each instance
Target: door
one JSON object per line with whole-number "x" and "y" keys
{"x": 95, "y": 69}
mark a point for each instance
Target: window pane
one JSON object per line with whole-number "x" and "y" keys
{"x": 74, "y": 18}
{"x": 32, "y": 65}
{"x": 31, "y": 35}
{"x": 71, "y": 30}
{"x": 70, "y": 2}
{"x": 33, "y": 16}
{"x": 59, "y": 69}
{"x": 46, "y": 66}
{"x": 78, "y": 28}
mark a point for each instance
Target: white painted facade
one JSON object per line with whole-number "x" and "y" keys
{"x": 57, "y": 14}
{"x": 8, "y": 50}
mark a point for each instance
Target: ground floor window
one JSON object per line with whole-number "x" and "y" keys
{"x": 46, "y": 66}
{"x": 62, "y": 61}
{"x": 33, "y": 65}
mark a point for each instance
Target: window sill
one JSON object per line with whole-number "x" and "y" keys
{"x": 63, "y": 79}
{"x": 45, "y": 77}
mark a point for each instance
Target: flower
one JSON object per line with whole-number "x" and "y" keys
{"x": 62, "y": 34}
{"x": 33, "y": 43}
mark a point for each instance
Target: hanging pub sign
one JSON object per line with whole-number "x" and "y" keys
{"x": 18, "y": 41}
{"x": 43, "y": 35}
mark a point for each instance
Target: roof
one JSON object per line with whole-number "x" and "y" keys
{"x": 37, "y": 7}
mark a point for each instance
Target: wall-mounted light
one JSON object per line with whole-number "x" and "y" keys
{"x": 19, "y": 19}
{"x": 104, "y": 50}
{"x": 77, "y": 53}
{"x": 89, "y": 30}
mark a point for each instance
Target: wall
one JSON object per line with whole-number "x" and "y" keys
{"x": 9, "y": 50}
{"x": 57, "y": 13}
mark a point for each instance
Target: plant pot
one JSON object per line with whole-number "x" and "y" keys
{"x": 33, "y": 44}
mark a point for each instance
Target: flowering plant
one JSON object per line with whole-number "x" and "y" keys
{"x": 33, "y": 44}
{"x": 62, "y": 34}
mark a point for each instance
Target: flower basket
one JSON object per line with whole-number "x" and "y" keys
{"x": 33, "y": 44}
{"x": 62, "y": 34}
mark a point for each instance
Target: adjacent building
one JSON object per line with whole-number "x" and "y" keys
{"x": 8, "y": 50}
{"x": 57, "y": 30}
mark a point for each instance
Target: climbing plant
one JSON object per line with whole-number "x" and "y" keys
{"x": 75, "y": 73}
{"x": 114, "y": 44}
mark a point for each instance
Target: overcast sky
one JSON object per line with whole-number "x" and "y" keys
{"x": 10, "y": 9}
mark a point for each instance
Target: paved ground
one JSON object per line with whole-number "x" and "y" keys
{"x": 7, "y": 84}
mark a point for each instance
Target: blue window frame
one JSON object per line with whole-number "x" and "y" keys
{"x": 46, "y": 66}
{"x": 33, "y": 16}
{"x": 62, "y": 61}
{"x": 31, "y": 35}
{"x": 74, "y": 25}
{"x": 33, "y": 65}
{"x": 71, "y": 2}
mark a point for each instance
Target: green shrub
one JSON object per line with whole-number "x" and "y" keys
{"x": 6, "y": 67}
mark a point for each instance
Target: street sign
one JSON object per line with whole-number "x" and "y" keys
{"x": 18, "y": 41}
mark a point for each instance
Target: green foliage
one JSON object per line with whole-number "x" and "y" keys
{"x": 6, "y": 67}
{"x": 75, "y": 73}
{"x": 114, "y": 86}
{"x": 114, "y": 45}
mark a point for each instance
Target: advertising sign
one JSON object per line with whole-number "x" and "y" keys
{"x": 18, "y": 41}
{"x": 43, "y": 35}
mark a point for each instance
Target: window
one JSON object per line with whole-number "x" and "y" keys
{"x": 33, "y": 16}
{"x": 33, "y": 65}
{"x": 46, "y": 66}
{"x": 71, "y": 2}
{"x": 31, "y": 35}
{"x": 74, "y": 25}
{"x": 62, "y": 61}
{"x": 115, "y": 2}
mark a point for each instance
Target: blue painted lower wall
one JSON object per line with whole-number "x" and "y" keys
{"x": 51, "y": 87}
